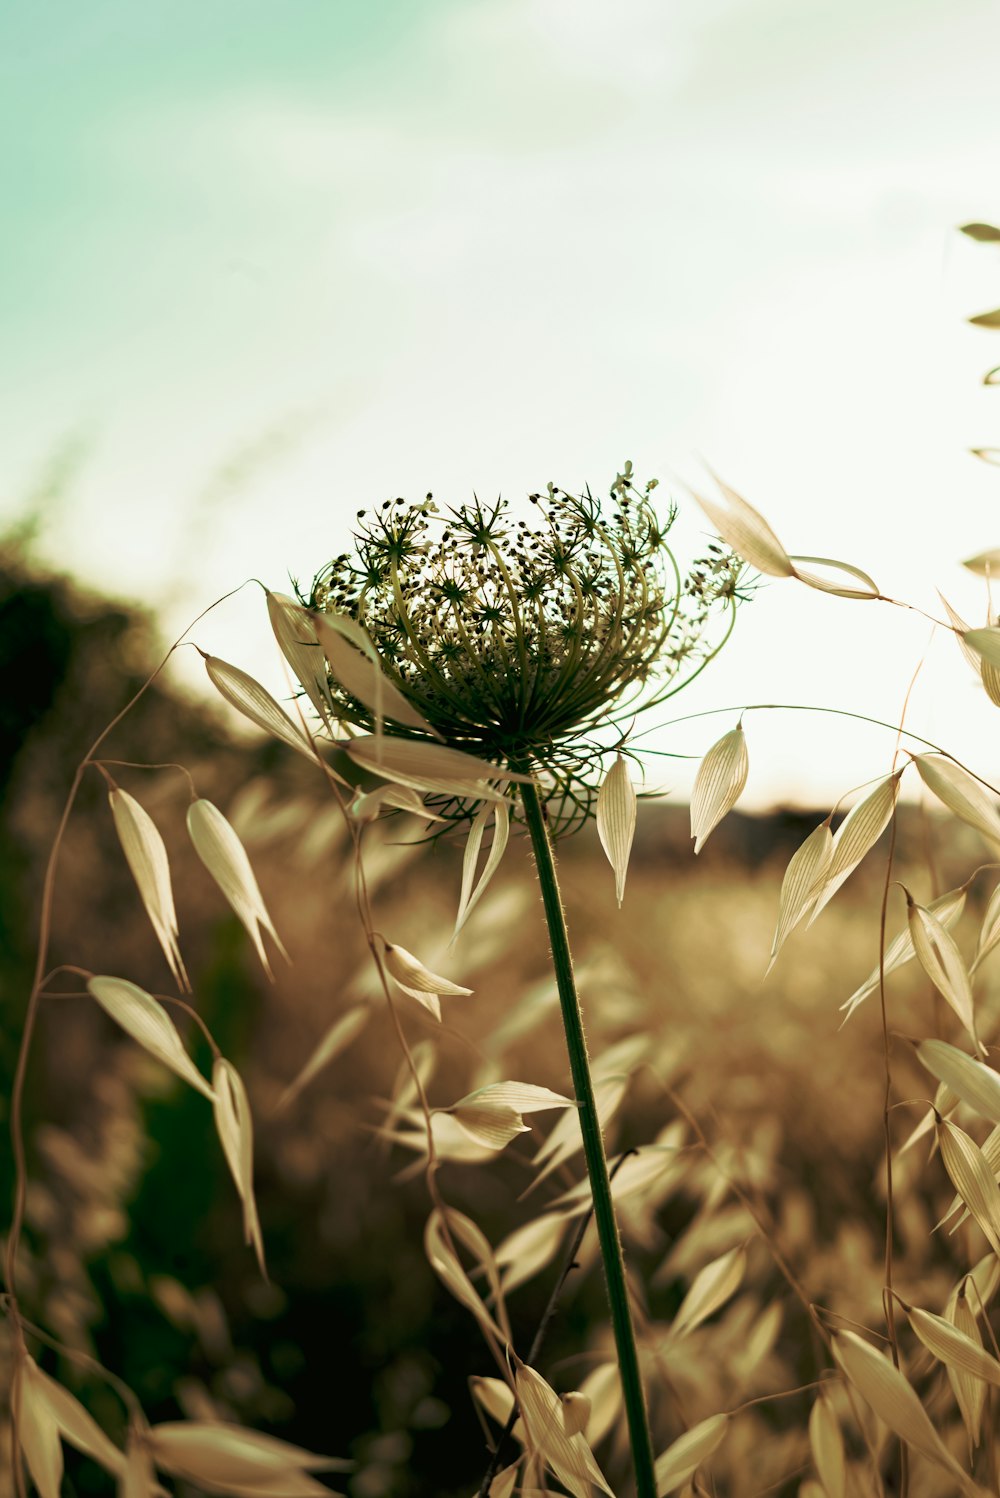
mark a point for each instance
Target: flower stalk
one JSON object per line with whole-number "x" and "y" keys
{"x": 593, "y": 1146}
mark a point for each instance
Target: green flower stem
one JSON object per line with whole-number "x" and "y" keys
{"x": 593, "y": 1146}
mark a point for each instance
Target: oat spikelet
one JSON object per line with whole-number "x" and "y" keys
{"x": 146, "y": 856}
{"x": 225, "y": 858}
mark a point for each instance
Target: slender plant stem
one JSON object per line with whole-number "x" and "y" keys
{"x": 534, "y": 1351}
{"x": 593, "y": 1146}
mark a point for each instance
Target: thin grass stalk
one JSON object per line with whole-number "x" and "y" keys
{"x": 593, "y": 1146}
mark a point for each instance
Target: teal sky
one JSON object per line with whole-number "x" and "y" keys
{"x": 264, "y": 264}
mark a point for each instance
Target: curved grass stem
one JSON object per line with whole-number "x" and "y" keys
{"x": 593, "y": 1146}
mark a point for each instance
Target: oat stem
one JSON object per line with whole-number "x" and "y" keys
{"x": 593, "y": 1146}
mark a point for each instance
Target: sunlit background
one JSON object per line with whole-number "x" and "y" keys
{"x": 263, "y": 265}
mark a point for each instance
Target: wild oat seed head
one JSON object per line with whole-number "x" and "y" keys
{"x": 520, "y": 639}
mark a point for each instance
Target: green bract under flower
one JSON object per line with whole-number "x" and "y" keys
{"x": 519, "y": 640}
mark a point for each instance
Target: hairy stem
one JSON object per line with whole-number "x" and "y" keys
{"x": 593, "y": 1146}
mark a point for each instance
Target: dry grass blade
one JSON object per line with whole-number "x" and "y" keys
{"x": 953, "y": 1347}
{"x": 961, "y": 793}
{"x": 616, "y": 816}
{"x": 256, "y": 703}
{"x": 719, "y": 783}
{"x": 943, "y": 963}
{"x": 146, "y": 856}
{"x": 568, "y": 1457}
{"x": 682, "y": 1459}
{"x": 946, "y": 908}
{"x": 140, "y": 1016}
{"x": 869, "y": 588}
{"x": 452, "y": 1275}
{"x": 745, "y": 530}
{"x": 470, "y": 896}
{"x": 806, "y": 871}
{"x": 38, "y": 1432}
{"x": 234, "y": 1123}
{"x": 225, "y": 858}
{"x": 354, "y": 662}
{"x": 892, "y": 1398}
{"x": 827, "y": 1445}
{"x": 975, "y": 1083}
{"x": 711, "y": 1287}
{"x": 855, "y": 837}
{"x": 336, "y": 1039}
{"x": 972, "y": 1178}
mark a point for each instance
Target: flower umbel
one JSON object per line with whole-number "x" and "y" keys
{"x": 520, "y": 639}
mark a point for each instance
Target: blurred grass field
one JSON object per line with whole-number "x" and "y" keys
{"x": 354, "y": 1347}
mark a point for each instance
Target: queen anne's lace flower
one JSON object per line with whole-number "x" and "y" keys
{"x": 520, "y": 640}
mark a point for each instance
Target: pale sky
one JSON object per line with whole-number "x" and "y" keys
{"x": 268, "y": 264}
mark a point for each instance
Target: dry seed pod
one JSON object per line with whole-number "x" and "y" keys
{"x": 894, "y": 1401}
{"x": 492, "y": 1115}
{"x": 682, "y": 1459}
{"x": 256, "y": 703}
{"x": 943, "y": 963}
{"x": 37, "y": 1432}
{"x": 470, "y": 896}
{"x": 616, "y": 817}
{"x": 969, "y": 1391}
{"x": 946, "y": 908}
{"x": 446, "y": 1266}
{"x": 953, "y": 1347}
{"x": 960, "y": 792}
{"x": 225, "y": 858}
{"x": 711, "y": 1287}
{"x": 234, "y": 1123}
{"x": 430, "y": 767}
{"x": 354, "y": 663}
{"x": 296, "y": 636}
{"x": 745, "y": 530}
{"x": 418, "y": 981}
{"x": 855, "y": 837}
{"x": 827, "y": 1445}
{"x": 337, "y": 1038}
{"x": 718, "y": 785}
{"x": 977, "y": 1084}
{"x": 568, "y": 1457}
{"x": 972, "y": 1178}
{"x": 575, "y": 1413}
{"x": 145, "y": 1020}
{"x": 869, "y": 587}
{"x": 805, "y": 873}
{"x": 146, "y": 856}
